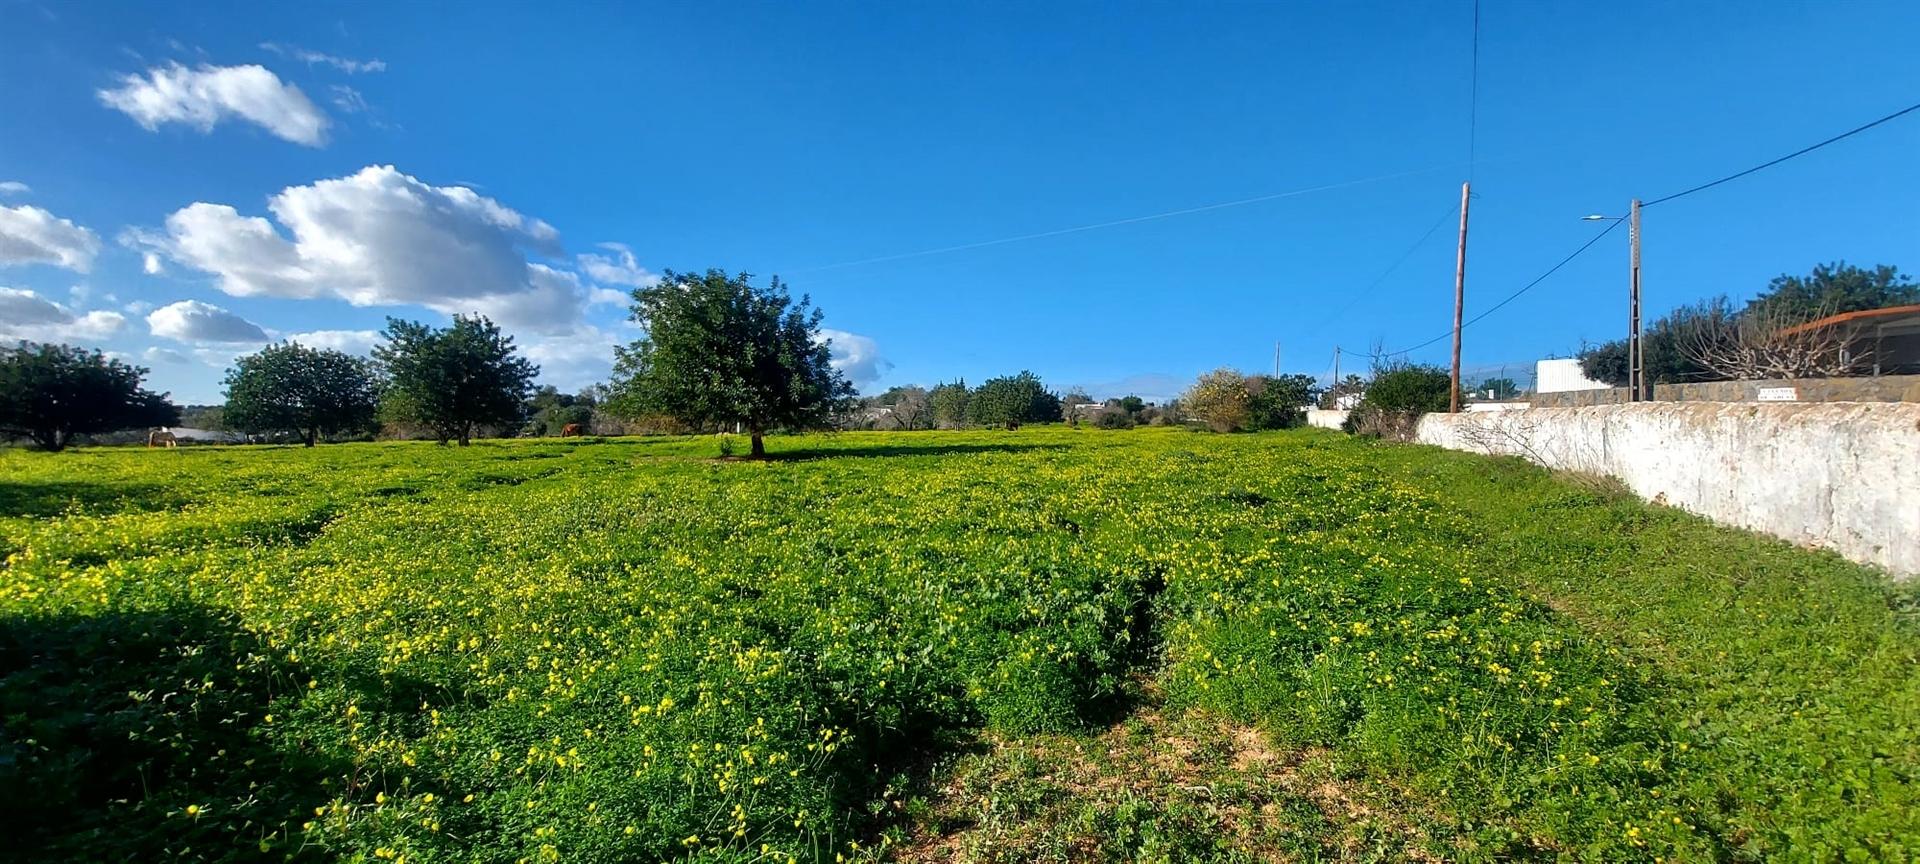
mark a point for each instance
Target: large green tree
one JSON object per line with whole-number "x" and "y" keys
{"x": 50, "y": 393}
{"x": 720, "y": 350}
{"x": 1835, "y": 288}
{"x": 309, "y": 392}
{"x": 1012, "y": 400}
{"x": 1279, "y": 402}
{"x": 453, "y": 380}
{"x": 1673, "y": 340}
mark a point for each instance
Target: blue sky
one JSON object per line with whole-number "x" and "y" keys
{"x": 182, "y": 182}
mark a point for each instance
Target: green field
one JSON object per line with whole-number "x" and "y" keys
{"x": 1054, "y": 644}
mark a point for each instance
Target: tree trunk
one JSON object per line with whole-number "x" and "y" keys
{"x": 312, "y": 434}
{"x": 759, "y": 450}
{"x": 466, "y": 434}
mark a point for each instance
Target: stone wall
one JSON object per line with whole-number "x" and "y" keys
{"x": 1841, "y": 476}
{"x": 1881, "y": 388}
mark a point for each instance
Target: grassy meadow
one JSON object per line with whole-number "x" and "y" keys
{"x": 1053, "y": 644}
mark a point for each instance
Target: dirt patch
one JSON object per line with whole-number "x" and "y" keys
{"x": 1155, "y": 787}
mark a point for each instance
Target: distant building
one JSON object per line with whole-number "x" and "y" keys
{"x": 1561, "y": 375}
{"x": 1888, "y": 338}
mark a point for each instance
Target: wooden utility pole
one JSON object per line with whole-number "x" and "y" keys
{"x": 1276, "y": 359}
{"x": 1636, "y": 353}
{"x": 1460, "y": 292}
{"x": 1336, "y": 371}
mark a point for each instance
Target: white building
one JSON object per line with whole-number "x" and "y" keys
{"x": 1561, "y": 375}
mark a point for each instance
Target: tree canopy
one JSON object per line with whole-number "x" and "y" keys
{"x": 1835, "y": 288}
{"x": 50, "y": 393}
{"x": 306, "y": 391}
{"x": 1012, "y": 400}
{"x": 1672, "y": 340}
{"x": 948, "y": 404}
{"x": 720, "y": 350}
{"x": 1221, "y": 399}
{"x": 454, "y": 379}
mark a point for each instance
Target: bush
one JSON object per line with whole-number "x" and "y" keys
{"x": 1396, "y": 397}
{"x": 1113, "y": 419}
{"x": 1410, "y": 387}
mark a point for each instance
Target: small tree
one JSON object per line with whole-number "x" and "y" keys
{"x": 455, "y": 379}
{"x": 1221, "y": 399}
{"x": 1011, "y": 401}
{"x": 1396, "y": 397}
{"x": 1279, "y": 403}
{"x": 911, "y": 409}
{"x": 1771, "y": 341}
{"x": 948, "y": 404}
{"x": 307, "y": 391}
{"x": 50, "y": 393}
{"x": 720, "y": 350}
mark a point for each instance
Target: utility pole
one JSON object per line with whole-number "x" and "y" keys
{"x": 1460, "y": 290}
{"x": 1336, "y": 368}
{"x": 1636, "y": 354}
{"x": 1276, "y": 360}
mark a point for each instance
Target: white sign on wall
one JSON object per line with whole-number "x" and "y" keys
{"x": 1779, "y": 394}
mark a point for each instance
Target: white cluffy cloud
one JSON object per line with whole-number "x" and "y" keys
{"x": 205, "y": 95}
{"x": 619, "y": 269}
{"x": 14, "y": 187}
{"x": 196, "y": 322}
{"x": 30, "y": 235}
{"x": 383, "y": 238}
{"x": 349, "y": 66}
{"x": 358, "y": 342}
{"x": 856, "y": 356}
{"x": 26, "y": 315}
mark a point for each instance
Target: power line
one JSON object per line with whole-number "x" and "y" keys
{"x": 1801, "y": 152}
{"x": 1295, "y": 193}
{"x": 1473, "y": 94}
{"x": 1362, "y": 294}
{"x": 1509, "y": 299}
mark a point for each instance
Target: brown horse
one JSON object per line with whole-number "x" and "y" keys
{"x": 162, "y": 438}
{"x": 571, "y": 430}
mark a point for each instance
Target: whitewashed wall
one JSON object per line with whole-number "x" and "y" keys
{"x": 1840, "y": 475}
{"x": 1325, "y": 419}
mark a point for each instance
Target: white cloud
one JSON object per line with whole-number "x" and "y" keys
{"x": 150, "y": 264}
{"x": 194, "y": 321}
{"x": 26, "y": 315}
{"x": 382, "y": 238}
{"x": 349, "y": 66}
{"x": 30, "y": 235}
{"x": 573, "y": 360}
{"x": 205, "y": 95}
{"x": 14, "y": 187}
{"x": 359, "y": 342}
{"x": 856, "y": 356}
{"x": 620, "y": 269}
{"x": 348, "y": 99}
{"x": 157, "y": 354}
{"x": 138, "y": 307}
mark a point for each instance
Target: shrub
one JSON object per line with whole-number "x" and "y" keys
{"x": 1113, "y": 419}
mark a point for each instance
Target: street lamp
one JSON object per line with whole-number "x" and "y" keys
{"x": 1636, "y": 358}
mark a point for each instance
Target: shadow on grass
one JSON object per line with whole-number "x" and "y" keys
{"x": 889, "y": 450}
{"x": 112, "y": 725}
{"x": 53, "y": 498}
